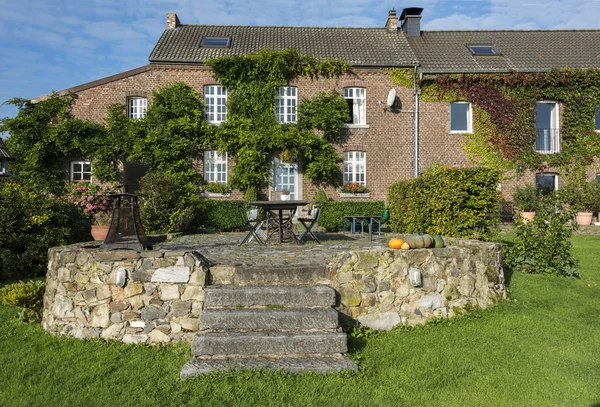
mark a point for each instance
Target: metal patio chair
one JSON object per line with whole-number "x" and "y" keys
{"x": 308, "y": 224}
{"x": 254, "y": 224}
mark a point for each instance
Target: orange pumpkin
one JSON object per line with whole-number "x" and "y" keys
{"x": 395, "y": 243}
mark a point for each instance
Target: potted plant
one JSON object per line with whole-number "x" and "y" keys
{"x": 285, "y": 195}
{"x": 215, "y": 189}
{"x": 95, "y": 202}
{"x": 354, "y": 189}
{"x": 580, "y": 196}
{"x": 526, "y": 201}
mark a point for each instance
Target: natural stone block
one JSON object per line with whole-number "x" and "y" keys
{"x": 133, "y": 339}
{"x": 62, "y": 305}
{"x": 100, "y": 316}
{"x": 169, "y": 292}
{"x": 173, "y": 274}
{"x": 116, "y": 318}
{"x": 221, "y": 274}
{"x": 117, "y": 293}
{"x": 384, "y": 285}
{"x": 349, "y": 296}
{"x": 429, "y": 283}
{"x": 103, "y": 292}
{"x": 118, "y": 306}
{"x": 152, "y": 313}
{"x": 193, "y": 293}
{"x": 157, "y": 336}
{"x": 137, "y": 324}
{"x": 83, "y": 259}
{"x": 116, "y": 255}
{"x": 386, "y": 299}
{"x": 181, "y": 308}
{"x": 466, "y": 286}
{"x": 133, "y": 288}
{"x": 64, "y": 274}
{"x": 367, "y": 261}
{"x": 380, "y": 321}
{"x": 82, "y": 278}
{"x": 142, "y": 275}
{"x": 450, "y": 292}
{"x": 175, "y": 327}
{"x": 136, "y": 302}
{"x": 113, "y": 331}
{"x": 431, "y": 301}
{"x": 367, "y": 285}
{"x": 131, "y": 315}
{"x": 198, "y": 277}
{"x": 189, "y": 324}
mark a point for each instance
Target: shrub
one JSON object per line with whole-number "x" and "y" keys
{"x": 526, "y": 199}
{"x": 542, "y": 246}
{"x": 216, "y": 215}
{"x": 31, "y": 223}
{"x": 321, "y": 196}
{"x": 27, "y": 295}
{"x": 448, "y": 201}
{"x": 332, "y": 213}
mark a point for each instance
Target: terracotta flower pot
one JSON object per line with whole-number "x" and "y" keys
{"x": 527, "y": 216}
{"x": 99, "y": 232}
{"x": 584, "y": 218}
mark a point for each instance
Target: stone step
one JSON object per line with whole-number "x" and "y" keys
{"x": 270, "y": 275}
{"x": 287, "y": 296}
{"x": 295, "y": 364}
{"x": 252, "y": 319}
{"x": 268, "y": 343}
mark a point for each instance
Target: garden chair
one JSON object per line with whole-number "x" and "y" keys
{"x": 308, "y": 224}
{"x": 254, "y": 224}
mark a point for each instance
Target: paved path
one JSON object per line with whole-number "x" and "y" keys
{"x": 222, "y": 248}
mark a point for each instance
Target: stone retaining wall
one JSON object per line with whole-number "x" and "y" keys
{"x": 374, "y": 284}
{"x": 159, "y": 300}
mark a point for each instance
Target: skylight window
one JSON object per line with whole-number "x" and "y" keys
{"x": 216, "y": 42}
{"x": 483, "y": 50}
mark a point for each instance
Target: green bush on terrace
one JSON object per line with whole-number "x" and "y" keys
{"x": 450, "y": 201}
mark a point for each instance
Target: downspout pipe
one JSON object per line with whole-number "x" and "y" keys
{"x": 417, "y": 90}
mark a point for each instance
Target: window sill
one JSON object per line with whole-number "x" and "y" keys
{"x": 351, "y": 195}
{"x": 214, "y": 195}
{"x": 355, "y": 126}
{"x": 460, "y": 132}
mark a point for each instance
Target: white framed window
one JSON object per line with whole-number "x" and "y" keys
{"x": 355, "y": 167}
{"x": 215, "y": 166}
{"x": 461, "y": 117}
{"x": 547, "y": 139}
{"x": 215, "y": 102}
{"x": 81, "y": 171}
{"x": 597, "y": 121}
{"x": 357, "y": 104}
{"x": 136, "y": 107}
{"x": 546, "y": 181}
{"x": 285, "y": 104}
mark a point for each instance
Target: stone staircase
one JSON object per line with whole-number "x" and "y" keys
{"x": 287, "y": 322}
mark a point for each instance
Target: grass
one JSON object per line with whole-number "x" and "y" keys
{"x": 539, "y": 348}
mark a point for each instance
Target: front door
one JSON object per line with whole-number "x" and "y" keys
{"x": 286, "y": 178}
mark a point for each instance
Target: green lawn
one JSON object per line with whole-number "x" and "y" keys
{"x": 539, "y": 348}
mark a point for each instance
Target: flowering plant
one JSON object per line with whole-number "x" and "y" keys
{"x": 287, "y": 156}
{"x": 94, "y": 200}
{"x": 354, "y": 188}
{"x": 216, "y": 187}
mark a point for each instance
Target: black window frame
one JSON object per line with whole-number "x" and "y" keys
{"x": 493, "y": 48}
{"x": 207, "y": 39}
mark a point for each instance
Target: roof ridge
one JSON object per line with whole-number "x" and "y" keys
{"x": 516, "y": 31}
{"x": 284, "y": 26}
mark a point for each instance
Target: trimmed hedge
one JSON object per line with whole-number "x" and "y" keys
{"x": 332, "y": 213}
{"x": 223, "y": 216}
{"x": 458, "y": 202}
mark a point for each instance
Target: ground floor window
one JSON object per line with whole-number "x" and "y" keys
{"x": 81, "y": 171}
{"x": 355, "y": 165}
{"x": 285, "y": 177}
{"x": 215, "y": 166}
{"x": 547, "y": 181}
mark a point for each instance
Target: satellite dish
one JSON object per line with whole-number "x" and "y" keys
{"x": 391, "y": 97}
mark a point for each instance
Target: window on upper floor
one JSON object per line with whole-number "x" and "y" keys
{"x": 215, "y": 166}
{"x": 461, "y": 117}
{"x": 547, "y": 139}
{"x": 215, "y": 102}
{"x": 597, "y": 121}
{"x": 136, "y": 107}
{"x": 355, "y": 167}
{"x": 285, "y": 104}
{"x": 357, "y": 105}
{"x": 547, "y": 181}
{"x": 81, "y": 171}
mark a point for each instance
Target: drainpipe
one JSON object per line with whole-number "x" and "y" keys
{"x": 417, "y": 90}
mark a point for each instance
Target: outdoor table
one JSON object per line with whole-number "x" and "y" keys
{"x": 275, "y": 210}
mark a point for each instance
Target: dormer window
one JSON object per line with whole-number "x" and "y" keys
{"x": 216, "y": 42}
{"x": 483, "y": 50}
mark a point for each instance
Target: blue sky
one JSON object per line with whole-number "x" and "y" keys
{"x": 50, "y": 45}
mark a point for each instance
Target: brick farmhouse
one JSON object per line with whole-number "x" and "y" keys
{"x": 382, "y": 144}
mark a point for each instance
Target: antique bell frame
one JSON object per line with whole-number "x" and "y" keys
{"x": 126, "y": 230}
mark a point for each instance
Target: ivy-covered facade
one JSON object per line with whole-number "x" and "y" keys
{"x": 503, "y": 99}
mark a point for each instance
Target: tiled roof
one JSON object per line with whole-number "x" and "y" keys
{"x": 4, "y": 153}
{"x": 358, "y": 46}
{"x": 525, "y": 51}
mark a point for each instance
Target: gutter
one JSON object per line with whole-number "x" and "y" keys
{"x": 417, "y": 91}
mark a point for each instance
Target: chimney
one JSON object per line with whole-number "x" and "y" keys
{"x": 392, "y": 21}
{"x": 172, "y": 21}
{"x": 411, "y": 21}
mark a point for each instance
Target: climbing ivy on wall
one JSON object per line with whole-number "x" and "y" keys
{"x": 253, "y": 134}
{"x": 504, "y": 114}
